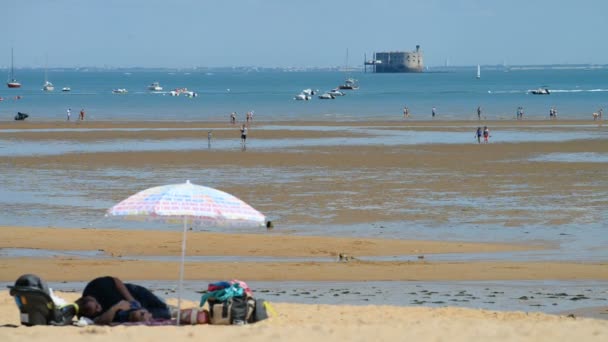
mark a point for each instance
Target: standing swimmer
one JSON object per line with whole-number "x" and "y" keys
{"x": 478, "y": 134}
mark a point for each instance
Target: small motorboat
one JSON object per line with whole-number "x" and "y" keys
{"x": 155, "y": 86}
{"x": 309, "y": 92}
{"x": 48, "y": 86}
{"x": 120, "y": 91}
{"x": 21, "y": 116}
{"x": 336, "y": 92}
{"x": 540, "y": 91}
{"x": 326, "y": 96}
{"x": 302, "y": 97}
{"x": 66, "y": 89}
{"x": 349, "y": 84}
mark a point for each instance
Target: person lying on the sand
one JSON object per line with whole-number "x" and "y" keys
{"x": 108, "y": 299}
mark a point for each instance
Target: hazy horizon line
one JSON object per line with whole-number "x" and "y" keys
{"x": 331, "y": 68}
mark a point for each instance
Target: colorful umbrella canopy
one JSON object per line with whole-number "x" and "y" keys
{"x": 201, "y": 205}
{"x": 189, "y": 202}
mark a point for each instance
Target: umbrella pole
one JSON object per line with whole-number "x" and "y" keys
{"x": 181, "y": 273}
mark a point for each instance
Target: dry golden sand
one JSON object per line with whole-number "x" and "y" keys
{"x": 299, "y": 322}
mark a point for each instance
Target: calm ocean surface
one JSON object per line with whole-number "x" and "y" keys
{"x": 456, "y": 95}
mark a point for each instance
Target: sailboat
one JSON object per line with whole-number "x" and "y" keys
{"x": 350, "y": 83}
{"x": 48, "y": 86}
{"x": 12, "y": 82}
{"x": 478, "y": 71}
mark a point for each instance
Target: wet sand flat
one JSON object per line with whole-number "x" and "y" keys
{"x": 117, "y": 243}
{"x": 497, "y": 183}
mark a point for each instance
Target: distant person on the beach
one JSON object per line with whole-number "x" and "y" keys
{"x": 433, "y": 111}
{"x": 209, "y": 136}
{"x": 600, "y": 113}
{"x": 554, "y": 113}
{"x": 69, "y": 113}
{"x": 486, "y": 134}
{"x": 407, "y": 112}
{"x": 479, "y": 113}
{"x": 82, "y": 114}
{"x": 478, "y": 135}
{"x": 233, "y": 118}
{"x": 248, "y": 117}
{"x": 108, "y": 299}
{"x": 520, "y": 113}
{"x": 243, "y": 135}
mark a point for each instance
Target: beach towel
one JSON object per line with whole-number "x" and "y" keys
{"x": 234, "y": 290}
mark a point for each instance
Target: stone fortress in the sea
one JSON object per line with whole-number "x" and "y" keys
{"x": 397, "y": 61}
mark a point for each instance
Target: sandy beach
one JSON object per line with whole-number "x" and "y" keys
{"x": 297, "y": 322}
{"x": 434, "y": 204}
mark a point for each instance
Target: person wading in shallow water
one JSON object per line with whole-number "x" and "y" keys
{"x": 243, "y": 136}
{"x": 486, "y": 134}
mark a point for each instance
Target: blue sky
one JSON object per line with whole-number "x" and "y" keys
{"x": 187, "y": 33}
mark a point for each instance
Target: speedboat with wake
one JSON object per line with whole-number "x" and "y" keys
{"x": 540, "y": 91}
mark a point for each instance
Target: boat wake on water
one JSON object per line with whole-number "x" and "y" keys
{"x": 578, "y": 90}
{"x": 552, "y": 91}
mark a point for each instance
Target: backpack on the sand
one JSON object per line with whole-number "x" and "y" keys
{"x": 35, "y": 304}
{"x": 236, "y": 310}
{"x": 232, "y": 302}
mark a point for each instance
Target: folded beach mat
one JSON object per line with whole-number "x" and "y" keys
{"x": 35, "y": 304}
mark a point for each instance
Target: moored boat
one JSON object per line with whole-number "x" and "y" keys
{"x": 349, "y": 84}
{"x": 302, "y": 97}
{"x": 336, "y": 92}
{"x": 326, "y": 96}
{"x": 155, "y": 86}
{"x": 48, "y": 86}
{"x": 12, "y": 81}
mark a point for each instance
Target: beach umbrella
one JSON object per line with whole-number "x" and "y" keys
{"x": 191, "y": 204}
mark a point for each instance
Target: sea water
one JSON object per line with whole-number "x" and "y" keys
{"x": 576, "y": 93}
